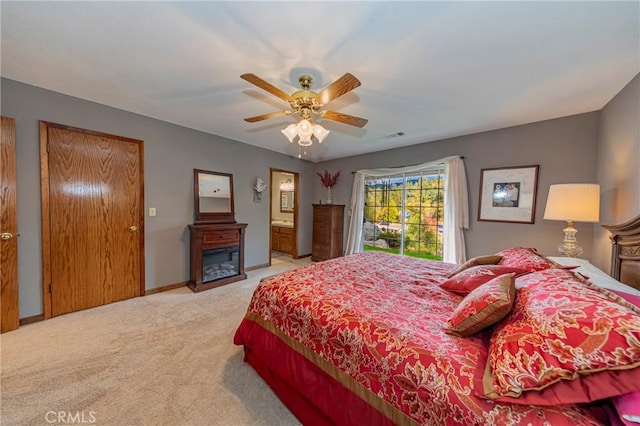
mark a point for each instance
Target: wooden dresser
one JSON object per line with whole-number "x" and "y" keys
{"x": 328, "y": 224}
{"x": 217, "y": 254}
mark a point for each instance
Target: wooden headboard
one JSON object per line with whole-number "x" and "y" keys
{"x": 625, "y": 255}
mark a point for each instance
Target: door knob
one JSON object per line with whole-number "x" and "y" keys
{"x": 133, "y": 228}
{"x": 6, "y": 235}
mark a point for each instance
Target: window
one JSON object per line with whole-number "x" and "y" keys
{"x": 404, "y": 213}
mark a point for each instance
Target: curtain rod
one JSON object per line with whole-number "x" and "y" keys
{"x": 399, "y": 167}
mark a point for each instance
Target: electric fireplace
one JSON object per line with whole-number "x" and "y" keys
{"x": 217, "y": 254}
{"x": 220, "y": 263}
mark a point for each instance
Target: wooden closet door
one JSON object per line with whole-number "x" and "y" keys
{"x": 9, "y": 318}
{"x": 95, "y": 218}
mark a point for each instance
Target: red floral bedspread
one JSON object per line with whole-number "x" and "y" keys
{"x": 374, "y": 322}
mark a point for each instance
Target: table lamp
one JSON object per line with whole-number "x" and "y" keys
{"x": 573, "y": 202}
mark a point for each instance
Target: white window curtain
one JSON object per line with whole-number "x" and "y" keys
{"x": 456, "y": 206}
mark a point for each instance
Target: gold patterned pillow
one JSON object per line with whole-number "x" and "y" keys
{"x": 483, "y": 307}
{"x": 525, "y": 257}
{"x": 562, "y": 343}
{"x": 492, "y": 259}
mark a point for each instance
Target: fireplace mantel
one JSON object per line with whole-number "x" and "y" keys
{"x": 217, "y": 254}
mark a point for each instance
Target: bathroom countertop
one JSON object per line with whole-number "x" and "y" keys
{"x": 282, "y": 224}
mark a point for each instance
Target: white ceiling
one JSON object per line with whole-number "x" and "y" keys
{"x": 429, "y": 69}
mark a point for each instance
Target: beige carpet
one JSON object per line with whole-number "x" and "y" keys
{"x": 163, "y": 359}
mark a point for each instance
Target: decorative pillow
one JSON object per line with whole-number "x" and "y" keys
{"x": 478, "y": 260}
{"x": 628, "y": 408}
{"x": 483, "y": 307}
{"x": 562, "y": 343}
{"x": 526, "y": 258}
{"x": 472, "y": 278}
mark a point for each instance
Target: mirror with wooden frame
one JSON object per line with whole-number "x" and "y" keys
{"x": 286, "y": 201}
{"x": 213, "y": 195}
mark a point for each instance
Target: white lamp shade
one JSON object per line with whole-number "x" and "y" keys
{"x": 304, "y": 130}
{"x": 305, "y": 140}
{"x": 320, "y": 132}
{"x": 579, "y": 202}
{"x": 290, "y": 132}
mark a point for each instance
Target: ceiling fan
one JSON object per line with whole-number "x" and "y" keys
{"x": 307, "y": 102}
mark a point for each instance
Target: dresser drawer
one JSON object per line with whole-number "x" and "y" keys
{"x": 219, "y": 238}
{"x": 321, "y": 230}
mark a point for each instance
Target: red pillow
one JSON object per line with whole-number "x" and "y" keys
{"x": 526, "y": 258}
{"x": 468, "y": 280}
{"x": 483, "y": 307}
{"x": 562, "y": 343}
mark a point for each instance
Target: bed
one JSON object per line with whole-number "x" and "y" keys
{"x": 625, "y": 256}
{"x": 380, "y": 339}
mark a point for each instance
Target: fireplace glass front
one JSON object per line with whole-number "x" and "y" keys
{"x": 220, "y": 263}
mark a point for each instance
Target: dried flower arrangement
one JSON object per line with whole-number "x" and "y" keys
{"x": 328, "y": 179}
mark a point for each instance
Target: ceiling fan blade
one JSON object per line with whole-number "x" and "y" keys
{"x": 254, "y": 79}
{"x": 343, "y": 85}
{"x": 267, "y": 116}
{"x": 351, "y": 120}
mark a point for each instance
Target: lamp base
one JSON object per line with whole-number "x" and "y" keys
{"x": 569, "y": 246}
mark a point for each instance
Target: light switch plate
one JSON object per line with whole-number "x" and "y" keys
{"x": 152, "y": 211}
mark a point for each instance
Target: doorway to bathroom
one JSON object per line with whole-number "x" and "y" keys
{"x": 283, "y": 215}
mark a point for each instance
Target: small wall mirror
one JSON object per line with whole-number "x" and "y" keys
{"x": 286, "y": 201}
{"x": 213, "y": 195}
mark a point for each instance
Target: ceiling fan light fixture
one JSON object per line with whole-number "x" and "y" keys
{"x": 290, "y": 132}
{"x": 305, "y": 140}
{"x": 305, "y": 129}
{"x": 320, "y": 132}
{"x": 307, "y": 102}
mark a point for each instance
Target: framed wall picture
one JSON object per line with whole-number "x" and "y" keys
{"x": 508, "y": 194}
{"x": 286, "y": 201}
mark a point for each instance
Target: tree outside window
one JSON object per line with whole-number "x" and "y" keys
{"x": 404, "y": 214}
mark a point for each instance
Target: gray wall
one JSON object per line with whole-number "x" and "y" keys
{"x": 564, "y": 148}
{"x": 618, "y": 166}
{"x": 171, "y": 153}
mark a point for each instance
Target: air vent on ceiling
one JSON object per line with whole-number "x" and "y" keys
{"x": 395, "y": 135}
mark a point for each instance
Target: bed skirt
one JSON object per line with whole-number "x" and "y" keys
{"x": 302, "y": 386}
